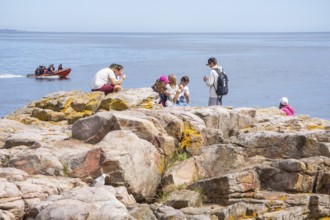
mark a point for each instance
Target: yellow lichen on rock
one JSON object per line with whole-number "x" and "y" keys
{"x": 118, "y": 105}
{"x": 47, "y": 115}
{"x": 191, "y": 139}
{"x": 94, "y": 101}
{"x": 74, "y": 115}
{"x": 282, "y": 197}
{"x": 316, "y": 124}
{"x": 24, "y": 119}
{"x": 47, "y": 103}
{"x": 270, "y": 111}
{"x": 74, "y": 106}
{"x": 147, "y": 104}
{"x": 89, "y": 101}
{"x": 28, "y": 120}
{"x": 316, "y": 127}
{"x": 68, "y": 103}
{"x": 162, "y": 166}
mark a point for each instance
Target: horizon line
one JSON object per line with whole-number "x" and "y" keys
{"x": 162, "y": 32}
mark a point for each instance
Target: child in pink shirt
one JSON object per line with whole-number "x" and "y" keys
{"x": 285, "y": 107}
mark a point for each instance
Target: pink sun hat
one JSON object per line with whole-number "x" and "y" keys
{"x": 164, "y": 78}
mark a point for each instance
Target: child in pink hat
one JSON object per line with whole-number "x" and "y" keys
{"x": 160, "y": 88}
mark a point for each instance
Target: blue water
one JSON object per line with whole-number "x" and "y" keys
{"x": 261, "y": 67}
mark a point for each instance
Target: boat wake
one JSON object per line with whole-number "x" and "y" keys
{"x": 8, "y": 75}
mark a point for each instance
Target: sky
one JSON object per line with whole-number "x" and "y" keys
{"x": 166, "y": 16}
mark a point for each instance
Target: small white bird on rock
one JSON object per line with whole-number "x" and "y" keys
{"x": 99, "y": 181}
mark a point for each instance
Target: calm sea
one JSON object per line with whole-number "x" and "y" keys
{"x": 261, "y": 67}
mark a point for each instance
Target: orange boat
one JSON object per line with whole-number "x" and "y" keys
{"x": 57, "y": 74}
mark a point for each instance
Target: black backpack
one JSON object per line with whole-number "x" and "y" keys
{"x": 222, "y": 83}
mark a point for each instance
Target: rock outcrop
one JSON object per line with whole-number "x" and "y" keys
{"x": 160, "y": 163}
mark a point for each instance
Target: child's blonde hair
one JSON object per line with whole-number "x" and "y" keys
{"x": 172, "y": 79}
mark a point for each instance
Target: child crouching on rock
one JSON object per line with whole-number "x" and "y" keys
{"x": 160, "y": 88}
{"x": 285, "y": 107}
{"x": 172, "y": 91}
{"x": 183, "y": 99}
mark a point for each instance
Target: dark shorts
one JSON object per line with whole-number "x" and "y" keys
{"x": 106, "y": 88}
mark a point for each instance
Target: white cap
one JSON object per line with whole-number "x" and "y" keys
{"x": 284, "y": 101}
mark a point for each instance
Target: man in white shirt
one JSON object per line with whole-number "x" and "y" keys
{"x": 212, "y": 80}
{"x": 107, "y": 80}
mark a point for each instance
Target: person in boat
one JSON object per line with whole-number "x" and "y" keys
{"x": 51, "y": 69}
{"x": 36, "y": 72}
{"x": 60, "y": 67}
{"x": 109, "y": 80}
{"x": 40, "y": 71}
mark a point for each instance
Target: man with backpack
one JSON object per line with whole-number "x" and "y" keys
{"x": 217, "y": 82}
